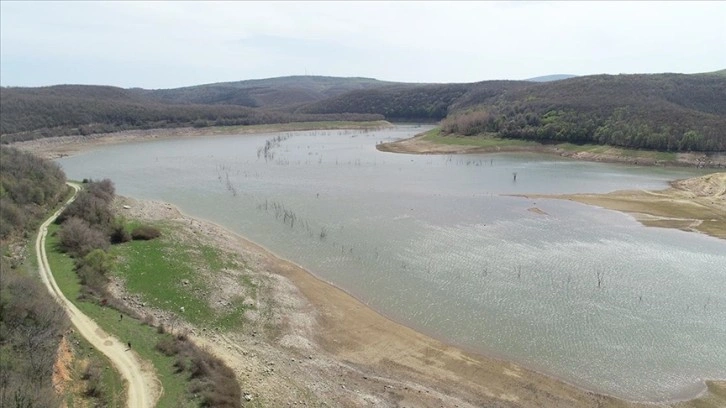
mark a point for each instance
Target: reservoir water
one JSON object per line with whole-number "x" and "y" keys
{"x": 436, "y": 243}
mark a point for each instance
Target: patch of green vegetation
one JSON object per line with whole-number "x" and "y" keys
{"x": 483, "y": 140}
{"x": 142, "y": 336}
{"x": 157, "y": 269}
{"x": 171, "y": 273}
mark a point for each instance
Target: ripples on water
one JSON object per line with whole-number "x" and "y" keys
{"x": 432, "y": 241}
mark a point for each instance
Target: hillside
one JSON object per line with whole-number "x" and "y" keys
{"x": 30, "y": 113}
{"x": 264, "y": 93}
{"x": 669, "y": 112}
{"x": 30, "y": 321}
{"x": 550, "y": 78}
{"x": 413, "y": 101}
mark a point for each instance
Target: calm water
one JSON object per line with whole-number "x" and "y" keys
{"x": 432, "y": 242}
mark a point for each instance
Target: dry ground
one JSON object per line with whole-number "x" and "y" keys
{"x": 697, "y": 204}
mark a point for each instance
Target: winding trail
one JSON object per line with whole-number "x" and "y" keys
{"x": 142, "y": 383}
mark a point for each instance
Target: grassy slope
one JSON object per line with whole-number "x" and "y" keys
{"x": 142, "y": 337}
{"x": 157, "y": 269}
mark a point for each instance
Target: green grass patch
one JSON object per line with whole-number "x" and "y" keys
{"x": 171, "y": 273}
{"x": 482, "y": 140}
{"x": 156, "y": 269}
{"x": 142, "y": 337}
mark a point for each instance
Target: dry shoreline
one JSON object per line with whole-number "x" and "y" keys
{"x": 62, "y": 146}
{"x": 328, "y": 347}
{"x": 362, "y": 350}
{"x": 695, "y": 205}
{"x": 420, "y": 145}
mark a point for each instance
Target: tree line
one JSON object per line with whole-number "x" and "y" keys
{"x": 30, "y": 320}
{"x": 665, "y": 112}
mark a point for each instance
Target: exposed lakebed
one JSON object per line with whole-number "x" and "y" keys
{"x": 436, "y": 243}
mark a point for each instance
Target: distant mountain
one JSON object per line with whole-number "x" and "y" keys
{"x": 550, "y": 78}
{"x": 263, "y": 93}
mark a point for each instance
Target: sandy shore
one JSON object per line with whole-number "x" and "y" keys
{"x": 420, "y": 145}
{"x": 322, "y": 346}
{"x": 697, "y": 204}
{"x": 55, "y": 147}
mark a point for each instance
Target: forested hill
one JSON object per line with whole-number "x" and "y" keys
{"x": 672, "y": 112}
{"x": 413, "y": 101}
{"x": 263, "y": 93}
{"x": 28, "y": 113}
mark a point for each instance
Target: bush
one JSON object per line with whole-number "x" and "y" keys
{"x": 208, "y": 375}
{"x": 92, "y": 376}
{"x": 119, "y": 234}
{"x": 145, "y": 233}
{"x": 78, "y": 238}
{"x": 168, "y": 346}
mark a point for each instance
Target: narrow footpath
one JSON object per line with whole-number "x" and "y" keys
{"x": 142, "y": 384}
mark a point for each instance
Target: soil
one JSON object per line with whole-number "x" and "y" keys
{"x": 696, "y": 204}
{"x": 62, "y": 367}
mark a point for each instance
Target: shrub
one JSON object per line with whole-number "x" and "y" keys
{"x": 145, "y": 233}
{"x": 92, "y": 376}
{"x": 119, "y": 234}
{"x": 78, "y": 238}
{"x": 168, "y": 346}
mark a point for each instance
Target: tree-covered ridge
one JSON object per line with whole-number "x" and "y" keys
{"x": 29, "y": 113}
{"x": 670, "y": 112}
{"x": 30, "y": 320}
{"x": 262, "y": 93}
{"x": 28, "y": 187}
{"x": 425, "y": 101}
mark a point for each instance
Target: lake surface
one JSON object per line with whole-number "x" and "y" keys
{"x": 434, "y": 243}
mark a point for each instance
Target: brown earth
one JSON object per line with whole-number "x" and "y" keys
{"x": 62, "y": 367}
{"x": 316, "y": 345}
{"x": 696, "y": 204}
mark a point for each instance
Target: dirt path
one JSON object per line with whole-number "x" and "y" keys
{"x": 142, "y": 383}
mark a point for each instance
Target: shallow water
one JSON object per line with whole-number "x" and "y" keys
{"x": 434, "y": 243}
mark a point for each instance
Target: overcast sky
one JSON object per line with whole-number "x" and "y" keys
{"x": 172, "y": 44}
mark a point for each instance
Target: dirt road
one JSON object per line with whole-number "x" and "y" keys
{"x": 143, "y": 390}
